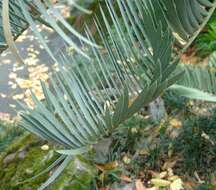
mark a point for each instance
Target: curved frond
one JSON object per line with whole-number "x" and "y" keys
{"x": 197, "y": 83}
{"x": 88, "y": 99}
{"x": 94, "y": 97}
{"x": 187, "y": 18}
{"x": 212, "y": 60}
{"x": 17, "y": 22}
{"x": 22, "y": 14}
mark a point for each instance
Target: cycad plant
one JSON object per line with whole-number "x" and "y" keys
{"x": 134, "y": 62}
{"x": 17, "y": 21}
{"x": 18, "y": 15}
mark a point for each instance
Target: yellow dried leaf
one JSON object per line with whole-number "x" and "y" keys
{"x": 160, "y": 182}
{"x": 12, "y": 105}
{"x": 104, "y": 188}
{"x": 143, "y": 152}
{"x": 177, "y": 185}
{"x": 24, "y": 83}
{"x": 6, "y": 61}
{"x": 18, "y": 68}
{"x": 14, "y": 86}
{"x": 12, "y": 75}
{"x": 126, "y": 159}
{"x": 3, "y": 95}
{"x": 169, "y": 164}
{"x": 108, "y": 166}
{"x": 18, "y": 96}
{"x": 170, "y": 172}
{"x": 173, "y": 178}
{"x": 176, "y": 123}
{"x": 10, "y": 83}
{"x": 189, "y": 184}
{"x": 152, "y": 188}
{"x": 163, "y": 175}
{"x": 198, "y": 178}
{"x": 125, "y": 178}
{"x": 154, "y": 174}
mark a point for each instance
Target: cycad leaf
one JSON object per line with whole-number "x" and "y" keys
{"x": 74, "y": 152}
{"x": 56, "y": 173}
{"x": 87, "y": 99}
{"x": 198, "y": 83}
{"x": 17, "y": 23}
{"x": 52, "y": 166}
{"x": 17, "y": 16}
{"x": 192, "y": 93}
{"x": 75, "y": 113}
{"x": 188, "y": 17}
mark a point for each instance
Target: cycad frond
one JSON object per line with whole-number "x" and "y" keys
{"x": 87, "y": 102}
{"x": 16, "y": 16}
{"x": 17, "y": 22}
{"x": 198, "y": 83}
{"x": 187, "y": 18}
{"x": 212, "y": 60}
{"x": 131, "y": 73}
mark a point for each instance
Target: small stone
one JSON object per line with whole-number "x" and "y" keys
{"x": 126, "y": 160}
{"x": 134, "y": 130}
{"x": 9, "y": 158}
{"x": 45, "y": 147}
{"x": 22, "y": 154}
{"x": 29, "y": 171}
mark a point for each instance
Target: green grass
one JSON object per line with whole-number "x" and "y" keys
{"x": 8, "y": 132}
{"x": 197, "y": 145}
{"x": 205, "y": 44}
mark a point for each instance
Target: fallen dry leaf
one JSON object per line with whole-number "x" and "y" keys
{"x": 18, "y": 97}
{"x": 169, "y": 164}
{"x": 162, "y": 175}
{"x": 24, "y": 83}
{"x": 143, "y": 152}
{"x": 152, "y": 188}
{"x": 6, "y": 61}
{"x": 160, "y": 182}
{"x": 189, "y": 184}
{"x": 104, "y": 188}
{"x": 12, "y": 105}
{"x": 173, "y": 178}
{"x": 5, "y": 116}
{"x": 108, "y": 166}
{"x": 2, "y": 95}
{"x": 14, "y": 86}
{"x": 12, "y": 75}
{"x": 154, "y": 174}
{"x": 207, "y": 137}
{"x": 177, "y": 185}
{"x": 126, "y": 159}
{"x": 170, "y": 172}
{"x": 125, "y": 178}
{"x": 175, "y": 123}
{"x": 200, "y": 181}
